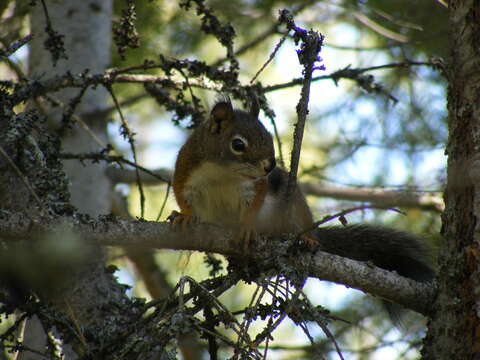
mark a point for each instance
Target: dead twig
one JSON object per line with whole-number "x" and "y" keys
{"x": 128, "y": 135}
{"x": 311, "y": 45}
{"x": 22, "y": 177}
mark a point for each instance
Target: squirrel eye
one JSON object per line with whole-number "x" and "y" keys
{"x": 238, "y": 145}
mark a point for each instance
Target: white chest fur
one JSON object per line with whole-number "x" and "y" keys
{"x": 217, "y": 195}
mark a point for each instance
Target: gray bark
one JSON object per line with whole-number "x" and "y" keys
{"x": 212, "y": 238}
{"x": 454, "y": 328}
{"x": 86, "y": 27}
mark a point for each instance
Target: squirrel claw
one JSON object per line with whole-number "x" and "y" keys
{"x": 178, "y": 219}
{"x": 245, "y": 235}
{"x": 173, "y": 215}
{"x": 309, "y": 240}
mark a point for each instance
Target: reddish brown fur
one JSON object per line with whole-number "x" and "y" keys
{"x": 186, "y": 163}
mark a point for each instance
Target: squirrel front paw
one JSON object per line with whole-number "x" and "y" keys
{"x": 245, "y": 235}
{"x": 309, "y": 240}
{"x": 179, "y": 219}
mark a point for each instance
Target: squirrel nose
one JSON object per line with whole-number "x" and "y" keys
{"x": 269, "y": 165}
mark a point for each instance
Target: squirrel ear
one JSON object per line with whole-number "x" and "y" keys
{"x": 220, "y": 116}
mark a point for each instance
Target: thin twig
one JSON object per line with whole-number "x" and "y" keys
{"x": 15, "y": 328}
{"x": 187, "y": 83}
{"x": 342, "y": 213}
{"x": 33, "y": 88}
{"x": 70, "y": 110}
{"x": 19, "y": 328}
{"x": 280, "y": 319}
{"x": 361, "y": 48}
{"x": 77, "y": 118}
{"x": 276, "y": 134}
{"x": 45, "y": 11}
{"x": 22, "y": 348}
{"x": 270, "y": 31}
{"x": 378, "y": 28}
{"x": 270, "y": 58}
{"x": 263, "y": 36}
{"x": 271, "y": 115}
{"x": 147, "y": 65}
{"x": 129, "y": 135}
{"x": 76, "y": 326}
{"x": 102, "y": 113}
{"x": 13, "y": 47}
{"x": 248, "y": 320}
{"x": 22, "y": 177}
{"x": 349, "y": 73}
{"x": 112, "y": 158}
{"x": 311, "y": 44}
{"x": 57, "y": 102}
{"x": 323, "y": 325}
{"x": 164, "y": 201}
{"x": 214, "y": 300}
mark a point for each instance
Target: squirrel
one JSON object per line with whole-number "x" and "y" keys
{"x": 226, "y": 173}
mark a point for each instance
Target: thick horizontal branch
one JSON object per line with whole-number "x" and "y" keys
{"x": 368, "y": 278}
{"x": 212, "y": 238}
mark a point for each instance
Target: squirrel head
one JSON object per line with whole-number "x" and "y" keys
{"x": 238, "y": 140}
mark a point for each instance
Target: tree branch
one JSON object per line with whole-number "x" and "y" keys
{"x": 349, "y": 73}
{"x": 124, "y": 175}
{"x": 12, "y": 48}
{"x": 127, "y": 176}
{"x": 212, "y": 238}
{"x": 381, "y": 197}
{"x": 34, "y": 88}
{"x": 308, "y": 56}
{"x": 377, "y": 196}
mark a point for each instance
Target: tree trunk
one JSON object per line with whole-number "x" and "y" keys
{"x": 86, "y": 27}
{"x": 454, "y": 328}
